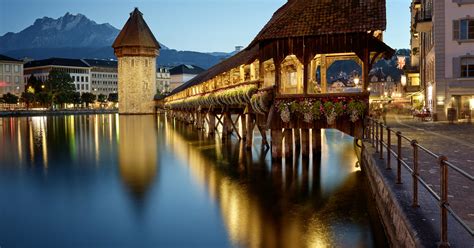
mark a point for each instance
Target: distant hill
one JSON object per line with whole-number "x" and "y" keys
{"x": 76, "y": 36}
{"x": 169, "y": 57}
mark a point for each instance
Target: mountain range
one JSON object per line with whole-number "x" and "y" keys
{"x": 76, "y": 36}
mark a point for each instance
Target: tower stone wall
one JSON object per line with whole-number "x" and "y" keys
{"x": 136, "y": 49}
{"x": 136, "y": 84}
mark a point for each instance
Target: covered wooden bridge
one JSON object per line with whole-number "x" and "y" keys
{"x": 279, "y": 82}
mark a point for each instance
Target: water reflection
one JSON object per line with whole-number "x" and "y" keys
{"x": 138, "y": 152}
{"x": 294, "y": 205}
{"x": 78, "y": 173}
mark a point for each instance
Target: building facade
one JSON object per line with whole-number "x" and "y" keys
{"x": 78, "y": 69}
{"x": 182, "y": 73}
{"x": 104, "y": 76}
{"x": 136, "y": 49}
{"x": 444, "y": 31}
{"x": 11, "y": 76}
{"x": 163, "y": 80}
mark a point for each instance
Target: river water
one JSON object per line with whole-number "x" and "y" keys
{"x": 142, "y": 181}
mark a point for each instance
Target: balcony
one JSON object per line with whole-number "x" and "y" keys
{"x": 423, "y": 20}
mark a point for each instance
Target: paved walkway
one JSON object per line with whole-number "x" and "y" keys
{"x": 456, "y": 141}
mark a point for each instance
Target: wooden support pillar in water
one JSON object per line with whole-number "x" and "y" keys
{"x": 288, "y": 134}
{"x": 243, "y": 118}
{"x": 297, "y": 138}
{"x": 263, "y": 132}
{"x": 316, "y": 141}
{"x": 305, "y": 142}
{"x": 227, "y": 128}
{"x": 212, "y": 123}
{"x": 277, "y": 137}
{"x": 249, "y": 126}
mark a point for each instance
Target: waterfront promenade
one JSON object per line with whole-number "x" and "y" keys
{"x": 456, "y": 141}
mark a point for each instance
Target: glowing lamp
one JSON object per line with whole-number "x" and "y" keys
{"x": 403, "y": 80}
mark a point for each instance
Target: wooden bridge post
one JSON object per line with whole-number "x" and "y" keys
{"x": 212, "y": 123}
{"x": 243, "y": 122}
{"x": 263, "y": 133}
{"x": 276, "y": 144}
{"x": 297, "y": 138}
{"x": 250, "y": 125}
{"x": 305, "y": 142}
{"x": 316, "y": 141}
{"x": 288, "y": 134}
{"x": 227, "y": 127}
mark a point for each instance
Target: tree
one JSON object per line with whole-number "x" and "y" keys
{"x": 34, "y": 85}
{"x": 28, "y": 98}
{"x": 113, "y": 97}
{"x": 9, "y": 98}
{"x": 76, "y": 98}
{"x": 88, "y": 98}
{"x": 63, "y": 97}
{"x": 102, "y": 99}
{"x": 61, "y": 87}
{"x": 44, "y": 98}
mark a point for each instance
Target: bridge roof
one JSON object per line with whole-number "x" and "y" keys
{"x": 321, "y": 17}
{"x": 136, "y": 33}
{"x": 243, "y": 57}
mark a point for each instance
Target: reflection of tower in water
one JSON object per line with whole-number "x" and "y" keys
{"x": 138, "y": 152}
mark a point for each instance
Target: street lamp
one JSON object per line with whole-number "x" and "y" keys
{"x": 403, "y": 80}
{"x": 356, "y": 81}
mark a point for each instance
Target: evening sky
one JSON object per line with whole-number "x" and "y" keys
{"x": 196, "y": 25}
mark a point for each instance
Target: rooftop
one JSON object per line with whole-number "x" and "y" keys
{"x": 136, "y": 33}
{"x": 299, "y": 18}
{"x": 186, "y": 69}
{"x": 58, "y": 62}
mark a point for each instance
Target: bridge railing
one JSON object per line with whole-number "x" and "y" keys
{"x": 381, "y": 137}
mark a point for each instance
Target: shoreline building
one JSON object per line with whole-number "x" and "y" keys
{"x": 444, "y": 31}
{"x": 183, "y": 73}
{"x": 11, "y": 76}
{"x": 136, "y": 49}
{"x": 103, "y": 76}
{"x": 78, "y": 69}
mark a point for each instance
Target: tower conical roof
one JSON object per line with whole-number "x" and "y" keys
{"x": 136, "y": 33}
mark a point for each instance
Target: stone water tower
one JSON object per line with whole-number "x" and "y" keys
{"x": 136, "y": 49}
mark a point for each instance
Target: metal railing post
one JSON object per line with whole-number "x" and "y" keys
{"x": 381, "y": 141}
{"x": 389, "y": 148}
{"x": 444, "y": 201}
{"x": 415, "y": 173}
{"x": 399, "y": 158}
{"x": 376, "y": 137}
{"x": 373, "y": 133}
{"x": 369, "y": 129}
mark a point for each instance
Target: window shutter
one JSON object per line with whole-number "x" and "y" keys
{"x": 456, "y": 67}
{"x": 456, "y": 30}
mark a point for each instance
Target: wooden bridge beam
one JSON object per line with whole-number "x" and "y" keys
{"x": 249, "y": 127}
{"x": 288, "y": 142}
{"x": 305, "y": 142}
{"x": 277, "y": 137}
{"x": 316, "y": 141}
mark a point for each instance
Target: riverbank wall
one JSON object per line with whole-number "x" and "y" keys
{"x": 405, "y": 225}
